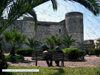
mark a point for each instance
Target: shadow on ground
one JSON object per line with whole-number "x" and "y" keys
{"x": 60, "y": 71}
{"x": 8, "y": 73}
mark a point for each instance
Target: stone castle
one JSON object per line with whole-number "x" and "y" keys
{"x": 73, "y": 25}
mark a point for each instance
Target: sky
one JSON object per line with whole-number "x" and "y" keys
{"x": 45, "y": 12}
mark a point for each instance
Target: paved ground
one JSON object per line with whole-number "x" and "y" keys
{"x": 90, "y": 61}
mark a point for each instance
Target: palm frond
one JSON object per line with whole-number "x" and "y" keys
{"x": 32, "y": 12}
{"x": 92, "y": 5}
{"x": 38, "y": 2}
{"x": 68, "y": 41}
{"x": 32, "y": 43}
{"x": 54, "y": 3}
{"x": 3, "y": 5}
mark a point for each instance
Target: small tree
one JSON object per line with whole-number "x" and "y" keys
{"x": 14, "y": 38}
{"x": 32, "y": 43}
{"x": 68, "y": 41}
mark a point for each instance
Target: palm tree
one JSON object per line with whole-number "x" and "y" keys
{"x": 53, "y": 41}
{"x": 14, "y": 38}
{"x": 49, "y": 41}
{"x": 68, "y": 41}
{"x": 32, "y": 43}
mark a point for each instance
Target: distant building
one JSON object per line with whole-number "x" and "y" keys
{"x": 89, "y": 44}
{"x": 97, "y": 43}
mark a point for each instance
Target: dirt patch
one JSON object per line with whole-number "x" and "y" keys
{"x": 90, "y": 61}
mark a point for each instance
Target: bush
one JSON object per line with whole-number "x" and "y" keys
{"x": 52, "y": 50}
{"x": 15, "y": 58}
{"x": 94, "y": 51}
{"x": 97, "y": 52}
{"x": 91, "y": 51}
{"x": 24, "y": 52}
{"x": 74, "y": 53}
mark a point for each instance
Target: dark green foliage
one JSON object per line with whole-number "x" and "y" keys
{"x": 53, "y": 41}
{"x": 32, "y": 43}
{"x": 94, "y": 51}
{"x": 25, "y": 51}
{"x": 52, "y": 50}
{"x": 91, "y": 51}
{"x": 15, "y": 58}
{"x": 92, "y": 5}
{"x": 68, "y": 41}
{"x": 15, "y": 39}
{"x": 73, "y": 53}
{"x": 89, "y": 46}
{"x": 3, "y": 63}
{"x": 97, "y": 52}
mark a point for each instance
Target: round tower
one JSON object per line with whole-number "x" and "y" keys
{"x": 74, "y": 27}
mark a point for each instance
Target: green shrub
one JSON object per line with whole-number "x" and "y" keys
{"x": 94, "y": 51}
{"x": 74, "y": 53}
{"x": 25, "y": 52}
{"x": 91, "y": 51}
{"x": 97, "y": 52}
{"x": 52, "y": 50}
{"x": 14, "y": 58}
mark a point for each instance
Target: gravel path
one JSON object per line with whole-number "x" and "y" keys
{"x": 90, "y": 61}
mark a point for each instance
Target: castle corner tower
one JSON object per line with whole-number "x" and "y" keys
{"x": 74, "y": 27}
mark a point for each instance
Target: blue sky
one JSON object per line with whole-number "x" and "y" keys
{"x": 45, "y": 12}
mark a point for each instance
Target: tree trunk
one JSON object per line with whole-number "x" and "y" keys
{"x": 3, "y": 63}
{"x": 68, "y": 46}
{"x": 12, "y": 52}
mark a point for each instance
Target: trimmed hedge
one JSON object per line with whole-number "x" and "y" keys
{"x": 94, "y": 52}
{"x": 24, "y": 51}
{"x": 15, "y": 58}
{"x": 52, "y": 50}
{"x": 74, "y": 53}
{"x": 91, "y": 51}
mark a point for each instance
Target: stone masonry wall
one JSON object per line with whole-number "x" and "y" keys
{"x": 44, "y": 30}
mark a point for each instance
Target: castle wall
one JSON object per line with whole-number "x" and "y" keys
{"x": 44, "y": 30}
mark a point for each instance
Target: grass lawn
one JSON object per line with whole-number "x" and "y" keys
{"x": 58, "y": 71}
